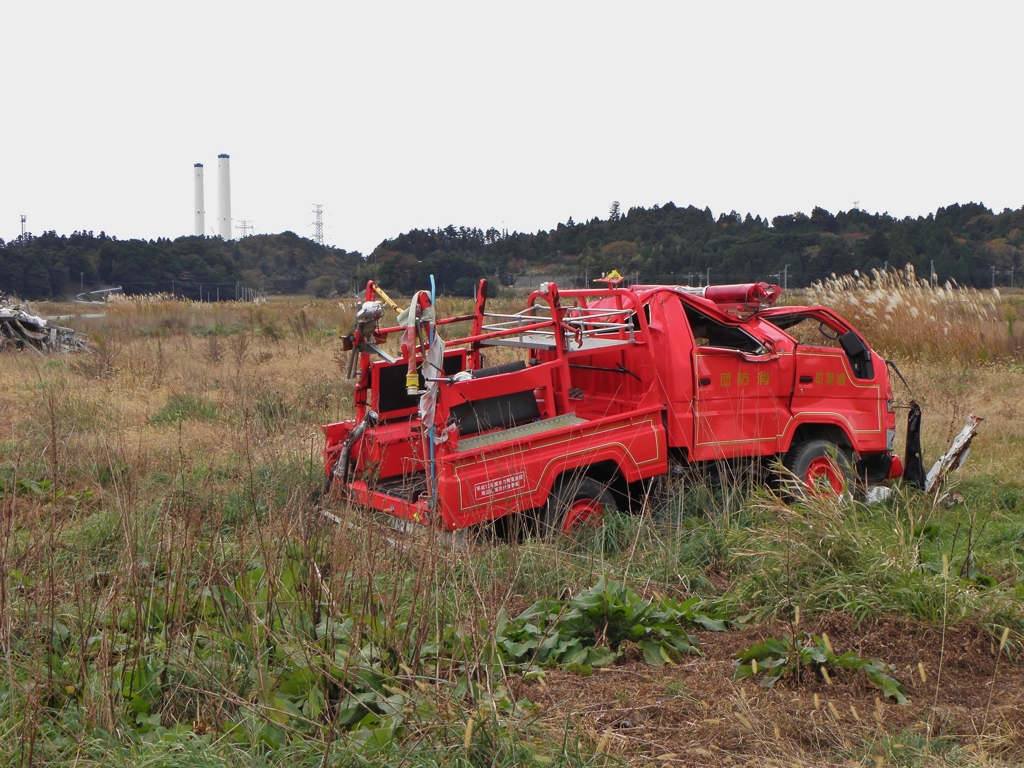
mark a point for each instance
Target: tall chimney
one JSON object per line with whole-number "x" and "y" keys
{"x": 200, "y": 204}
{"x": 224, "y": 193}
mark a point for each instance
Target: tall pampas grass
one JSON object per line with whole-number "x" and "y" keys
{"x": 914, "y": 319}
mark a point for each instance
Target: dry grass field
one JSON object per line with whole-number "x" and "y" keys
{"x": 171, "y": 595}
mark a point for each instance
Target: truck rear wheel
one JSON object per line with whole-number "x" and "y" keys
{"x": 822, "y": 467}
{"x": 575, "y": 503}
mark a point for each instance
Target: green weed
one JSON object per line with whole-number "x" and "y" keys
{"x": 589, "y": 630}
{"x": 184, "y": 407}
{"x": 775, "y": 659}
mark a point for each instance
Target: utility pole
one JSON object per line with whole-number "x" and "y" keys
{"x": 709, "y": 275}
{"x": 785, "y": 277}
{"x": 318, "y": 224}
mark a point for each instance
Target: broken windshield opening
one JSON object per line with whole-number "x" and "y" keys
{"x": 812, "y": 331}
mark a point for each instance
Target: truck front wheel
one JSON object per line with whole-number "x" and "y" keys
{"x": 822, "y": 467}
{"x": 575, "y": 503}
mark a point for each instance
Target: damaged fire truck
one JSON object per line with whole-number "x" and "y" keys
{"x": 598, "y": 392}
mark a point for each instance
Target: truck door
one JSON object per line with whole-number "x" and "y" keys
{"x": 836, "y": 379}
{"x": 673, "y": 354}
{"x": 742, "y": 389}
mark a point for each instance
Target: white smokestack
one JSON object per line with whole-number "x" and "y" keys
{"x": 224, "y": 193}
{"x": 200, "y": 204}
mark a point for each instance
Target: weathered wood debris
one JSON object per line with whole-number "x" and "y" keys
{"x": 21, "y": 329}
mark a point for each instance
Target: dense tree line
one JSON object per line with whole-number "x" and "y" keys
{"x": 58, "y": 265}
{"x": 967, "y": 243}
{"x": 670, "y": 243}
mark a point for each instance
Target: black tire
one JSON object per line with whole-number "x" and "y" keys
{"x": 575, "y": 501}
{"x": 821, "y": 467}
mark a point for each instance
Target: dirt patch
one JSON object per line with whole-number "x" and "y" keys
{"x": 694, "y": 713}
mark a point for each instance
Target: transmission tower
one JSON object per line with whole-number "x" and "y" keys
{"x": 318, "y": 225}
{"x": 24, "y": 218}
{"x": 245, "y": 226}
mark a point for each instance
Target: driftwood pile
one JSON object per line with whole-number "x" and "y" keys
{"x": 20, "y": 329}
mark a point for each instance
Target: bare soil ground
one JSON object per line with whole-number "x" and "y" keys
{"x": 694, "y": 713}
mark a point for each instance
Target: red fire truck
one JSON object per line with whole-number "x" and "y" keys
{"x": 595, "y": 393}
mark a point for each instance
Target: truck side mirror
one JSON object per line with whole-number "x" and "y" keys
{"x": 767, "y": 353}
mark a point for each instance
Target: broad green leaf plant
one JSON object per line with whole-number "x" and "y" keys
{"x": 775, "y": 659}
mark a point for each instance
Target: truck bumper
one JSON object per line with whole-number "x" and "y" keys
{"x": 358, "y": 493}
{"x": 896, "y": 468}
{"x": 879, "y": 467}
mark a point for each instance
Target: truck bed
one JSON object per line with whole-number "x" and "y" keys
{"x": 517, "y": 433}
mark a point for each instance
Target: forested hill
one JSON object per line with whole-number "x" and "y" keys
{"x": 57, "y": 265}
{"x": 672, "y": 244}
{"x": 967, "y": 243}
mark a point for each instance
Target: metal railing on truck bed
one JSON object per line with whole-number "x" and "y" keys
{"x": 583, "y": 328}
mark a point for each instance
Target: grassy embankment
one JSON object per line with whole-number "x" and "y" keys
{"x": 170, "y": 595}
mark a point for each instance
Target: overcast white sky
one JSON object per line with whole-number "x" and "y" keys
{"x": 514, "y": 115}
